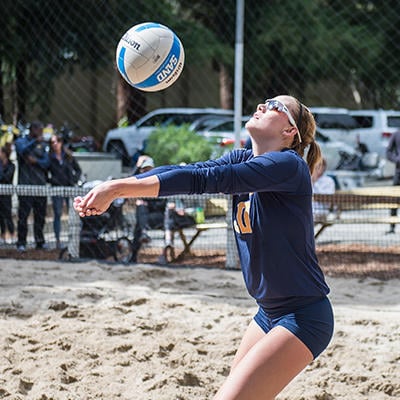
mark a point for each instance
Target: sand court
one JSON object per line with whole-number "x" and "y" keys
{"x": 101, "y": 331}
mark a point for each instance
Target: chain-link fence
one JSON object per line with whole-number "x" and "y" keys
{"x": 351, "y": 237}
{"x": 58, "y": 58}
{"x": 206, "y": 240}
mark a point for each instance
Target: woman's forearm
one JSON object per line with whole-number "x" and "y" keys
{"x": 133, "y": 187}
{"x": 97, "y": 200}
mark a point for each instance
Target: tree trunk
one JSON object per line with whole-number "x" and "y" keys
{"x": 93, "y": 104}
{"x": 2, "y": 116}
{"x": 19, "y": 107}
{"x": 131, "y": 102}
{"x": 225, "y": 88}
{"x": 185, "y": 88}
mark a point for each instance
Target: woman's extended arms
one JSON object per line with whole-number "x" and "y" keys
{"x": 101, "y": 196}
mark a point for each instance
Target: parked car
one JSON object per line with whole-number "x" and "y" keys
{"x": 370, "y": 129}
{"x": 331, "y": 149}
{"x": 128, "y": 141}
{"x": 222, "y": 128}
{"x": 222, "y": 134}
{"x": 205, "y": 122}
{"x": 335, "y": 123}
{"x": 375, "y": 127}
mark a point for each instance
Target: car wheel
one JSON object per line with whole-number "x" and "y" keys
{"x": 118, "y": 149}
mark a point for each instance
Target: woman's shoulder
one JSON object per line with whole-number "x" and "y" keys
{"x": 235, "y": 156}
{"x": 283, "y": 156}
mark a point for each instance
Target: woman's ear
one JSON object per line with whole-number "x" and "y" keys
{"x": 292, "y": 131}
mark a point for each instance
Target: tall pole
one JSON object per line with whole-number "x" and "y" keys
{"x": 238, "y": 82}
{"x": 232, "y": 258}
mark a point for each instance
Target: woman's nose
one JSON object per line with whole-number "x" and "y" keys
{"x": 261, "y": 107}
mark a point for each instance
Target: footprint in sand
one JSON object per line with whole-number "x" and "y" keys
{"x": 117, "y": 331}
{"x": 4, "y": 393}
{"x": 189, "y": 379}
{"x": 164, "y": 351}
{"x": 65, "y": 377}
{"x": 58, "y": 306}
{"x": 25, "y": 386}
{"x": 135, "y": 302}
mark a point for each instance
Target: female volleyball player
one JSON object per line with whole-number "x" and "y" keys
{"x": 273, "y": 223}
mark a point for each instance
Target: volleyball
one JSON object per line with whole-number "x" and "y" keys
{"x": 150, "y": 56}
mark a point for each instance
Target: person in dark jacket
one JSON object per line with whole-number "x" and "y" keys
{"x": 33, "y": 164}
{"x": 64, "y": 171}
{"x": 153, "y": 213}
{"x": 7, "y": 170}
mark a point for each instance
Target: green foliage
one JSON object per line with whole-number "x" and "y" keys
{"x": 175, "y": 145}
{"x": 44, "y": 39}
{"x": 290, "y": 46}
{"x": 329, "y": 40}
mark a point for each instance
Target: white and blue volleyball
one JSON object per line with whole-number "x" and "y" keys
{"x": 150, "y": 56}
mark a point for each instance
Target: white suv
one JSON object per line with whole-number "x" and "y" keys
{"x": 126, "y": 142}
{"x": 336, "y": 123}
{"x": 375, "y": 127}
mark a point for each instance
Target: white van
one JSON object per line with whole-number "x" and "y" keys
{"x": 336, "y": 123}
{"x": 370, "y": 127}
{"x": 375, "y": 127}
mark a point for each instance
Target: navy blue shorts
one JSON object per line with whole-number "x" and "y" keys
{"x": 312, "y": 324}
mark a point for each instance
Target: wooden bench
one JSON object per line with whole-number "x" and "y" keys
{"x": 359, "y": 199}
{"x": 169, "y": 251}
{"x": 215, "y": 207}
{"x": 362, "y": 199}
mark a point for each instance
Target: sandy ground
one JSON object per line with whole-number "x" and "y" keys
{"x": 101, "y": 331}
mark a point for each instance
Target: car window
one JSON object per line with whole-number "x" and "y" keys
{"x": 334, "y": 121}
{"x": 393, "y": 122}
{"x": 158, "y": 119}
{"x": 180, "y": 119}
{"x": 364, "y": 121}
{"x": 228, "y": 126}
{"x": 208, "y": 120}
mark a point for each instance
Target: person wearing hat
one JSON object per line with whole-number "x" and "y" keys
{"x": 144, "y": 163}
{"x": 155, "y": 213}
{"x": 149, "y": 211}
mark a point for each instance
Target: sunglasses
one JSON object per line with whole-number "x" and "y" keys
{"x": 277, "y": 105}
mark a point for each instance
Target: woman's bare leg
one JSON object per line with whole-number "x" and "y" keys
{"x": 264, "y": 364}
{"x": 253, "y": 334}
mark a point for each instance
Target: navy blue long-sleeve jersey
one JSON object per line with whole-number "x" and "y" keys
{"x": 272, "y": 219}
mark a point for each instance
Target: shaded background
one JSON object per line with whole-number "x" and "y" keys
{"x": 58, "y": 58}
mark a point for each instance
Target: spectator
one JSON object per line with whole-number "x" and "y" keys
{"x": 153, "y": 213}
{"x": 322, "y": 184}
{"x": 33, "y": 165}
{"x": 393, "y": 155}
{"x": 149, "y": 212}
{"x": 7, "y": 170}
{"x": 64, "y": 171}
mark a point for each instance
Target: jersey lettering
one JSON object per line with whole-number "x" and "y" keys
{"x": 242, "y": 222}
